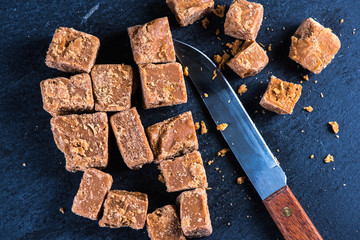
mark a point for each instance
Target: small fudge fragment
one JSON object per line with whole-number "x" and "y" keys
{"x": 131, "y": 139}
{"x": 334, "y": 126}
{"x": 173, "y": 137}
{"x": 164, "y": 224}
{"x": 194, "y": 213}
{"x": 185, "y": 172}
{"x": 281, "y": 96}
{"x": 72, "y": 51}
{"x": 83, "y": 139}
{"x": 94, "y": 186}
{"x": 112, "y": 84}
{"x": 250, "y": 60}
{"x": 67, "y": 95}
{"x": 162, "y": 85}
{"x": 124, "y": 209}
{"x": 152, "y": 42}
{"x": 313, "y": 46}
{"x": 189, "y": 11}
{"x": 243, "y": 20}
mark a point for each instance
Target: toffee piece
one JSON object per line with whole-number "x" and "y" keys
{"x": 83, "y": 139}
{"x": 72, "y": 51}
{"x": 92, "y": 191}
{"x": 67, "y": 95}
{"x": 131, "y": 139}
{"x": 124, "y": 209}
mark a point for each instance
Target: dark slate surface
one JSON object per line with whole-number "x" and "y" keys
{"x": 31, "y": 196}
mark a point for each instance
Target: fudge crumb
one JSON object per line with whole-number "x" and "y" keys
{"x": 218, "y": 38}
{"x": 309, "y": 108}
{"x": 217, "y": 59}
{"x": 269, "y": 48}
{"x": 203, "y": 128}
{"x": 214, "y": 75}
{"x": 321, "y": 95}
{"x": 228, "y": 224}
{"x": 217, "y": 32}
{"x": 219, "y": 11}
{"x": 208, "y": 188}
{"x": 240, "y": 180}
{"x": 221, "y": 60}
{"x": 312, "y": 156}
{"x": 222, "y": 127}
{"x": 337, "y": 136}
{"x": 197, "y": 126}
{"x": 328, "y": 159}
{"x": 62, "y": 210}
{"x": 186, "y": 71}
{"x": 334, "y": 126}
{"x": 341, "y": 21}
{"x": 262, "y": 45}
{"x": 242, "y": 89}
{"x": 223, "y": 151}
{"x": 216, "y": 168}
{"x": 278, "y": 150}
{"x": 210, "y": 162}
{"x": 161, "y": 178}
{"x": 306, "y": 77}
{"x": 206, "y": 95}
{"x": 315, "y": 81}
{"x": 24, "y": 164}
{"x": 205, "y": 23}
{"x": 234, "y": 46}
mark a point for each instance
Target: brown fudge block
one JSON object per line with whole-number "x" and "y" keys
{"x": 131, "y": 139}
{"x": 250, "y": 60}
{"x": 124, "y": 209}
{"x": 243, "y": 20}
{"x": 185, "y": 172}
{"x": 72, "y": 51}
{"x": 152, "y": 42}
{"x": 189, "y": 11}
{"x": 281, "y": 96}
{"x": 162, "y": 85}
{"x": 194, "y": 213}
{"x": 94, "y": 186}
{"x": 313, "y": 46}
{"x": 112, "y": 84}
{"x": 164, "y": 224}
{"x": 173, "y": 137}
{"x": 83, "y": 139}
{"x": 67, "y": 95}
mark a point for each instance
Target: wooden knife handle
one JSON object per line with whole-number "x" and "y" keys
{"x": 289, "y": 216}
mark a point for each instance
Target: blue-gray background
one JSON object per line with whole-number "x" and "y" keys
{"x": 31, "y": 196}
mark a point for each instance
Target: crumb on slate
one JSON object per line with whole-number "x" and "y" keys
{"x": 306, "y": 77}
{"x": 214, "y": 75}
{"x": 234, "y": 46}
{"x": 223, "y": 151}
{"x": 309, "y": 108}
{"x": 210, "y": 162}
{"x": 242, "y": 89}
{"x": 334, "y": 126}
{"x": 240, "y": 180}
{"x": 203, "y": 128}
{"x": 186, "y": 71}
{"x": 217, "y": 32}
{"x": 328, "y": 159}
{"x": 62, "y": 210}
{"x": 197, "y": 126}
{"x": 161, "y": 178}
{"x": 222, "y": 127}
{"x": 205, "y": 23}
{"x": 269, "y": 48}
{"x": 24, "y": 164}
{"x": 206, "y": 95}
{"x": 341, "y": 21}
{"x": 219, "y": 11}
{"x": 312, "y": 156}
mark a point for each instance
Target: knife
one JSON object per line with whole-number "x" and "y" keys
{"x": 247, "y": 144}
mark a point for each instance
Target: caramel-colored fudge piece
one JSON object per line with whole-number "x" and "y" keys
{"x": 173, "y": 137}
{"x": 281, "y": 96}
{"x": 164, "y": 224}
{"x": 131, "y": 139}
{"x": 162, "y": 85}
{"x": 94, "y": 186}
{"x": 185, "y": 172}
{"x": 83, "y": 139}
{"x": 67, "y": 95}
{"x": 194, "y": 213}
{"x": 124, "y": 209}
{"x": 72, "y": 51}
{"x": 243, "y": 20}
{"x": 152, "y": 42}
{"x": 112, "y": 84}
{"x": 189, "y": 11}
{"x": 250, "y": 60}
{"x": 313, "y": 46}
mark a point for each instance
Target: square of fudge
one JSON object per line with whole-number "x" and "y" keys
{"x": 173, "y": 137}
{"x": 189, "y": 11}
{"x": 67, "y": 95}
{"x": 313, "y": 46}
{"x": 164, "y": 224}
{"x": 281, "y": 96}
{"x": 124, "y": 209}
{"x": 194, "y": 213}
{"x": 243, "y": 20}
{"x": 72, "y": 51}
{"x": 83, "y": 139}
{"x": 152, "y": 42}
{"x": 185, "y": 172}
{"x": 131, "y": 139}
{"x": 94, "y": 186}
{"x": 250, "y": 60}
{"x": 162, "y": 85}
{"x": 112, "y": 84}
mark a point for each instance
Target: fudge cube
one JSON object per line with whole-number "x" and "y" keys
{"x": 194, "y": 213}
{"x": 152, "y": 42}
{"x": 94, "y": 186}
{"x": 243, "y": 20}
{"x": 185, "y": 172}
{"x": 250, "y": 60}
{"x": 131, "y": 139}
{"x": 67, "y": 95}
{"x": 313, "y": 46}
{"x": 189, "y": 11}
{"x": 162, "y": 85}
{"x": 164, "y": 224}
{"x": 72, "y": 51}
{"x": 112, "y": 84}
{"x": 281, "y": 96}
{"x": 83, "y": 139}
{"x": 173, "y": 137}
{"x": 124, "y": 209}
